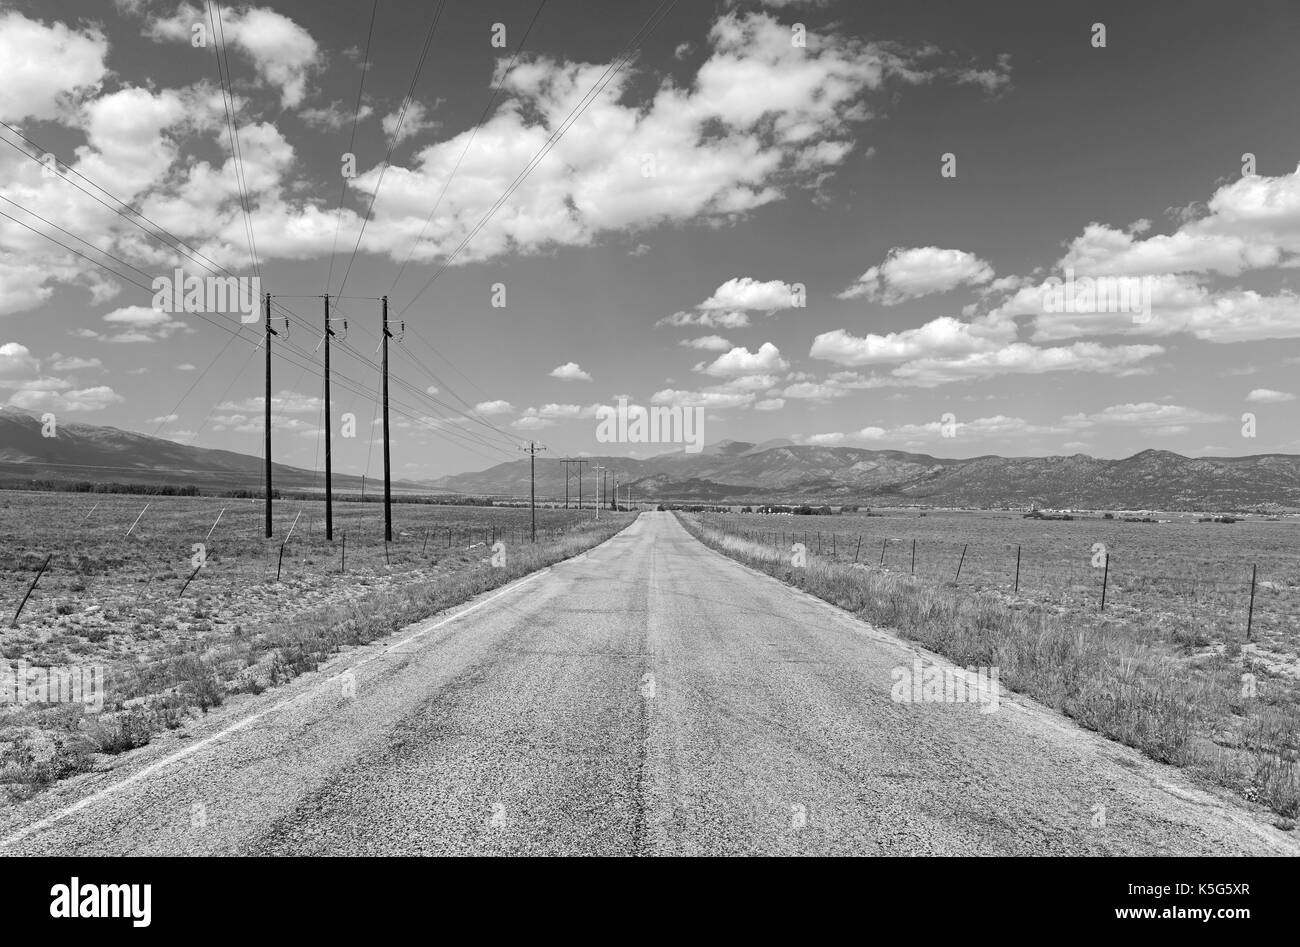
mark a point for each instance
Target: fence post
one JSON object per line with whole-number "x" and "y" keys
{"x": 883, "y": 543}
{"x": 1017, "y": 588}
{"x": 181, "y": 594}
{"x": 1105, "y": 580}
{"x": 137, "y": 520}
{"x": 913, "y": 557}
{"x": 425, "y": 545}
{"x": 343, "y": 559}
{"x": 1250, "y": 614}
{"x": 858, "y": 550}
{"x": 960, "y": 562}
{"x": 214, "y": 525}
{"x": 30, "y": 589}
{"x": 280, "y": 562}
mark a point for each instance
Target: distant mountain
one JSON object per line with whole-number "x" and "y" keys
{"x": 736, "y": 471}
{"x": 105, "y": 454}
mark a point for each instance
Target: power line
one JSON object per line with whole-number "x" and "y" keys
{"x": 396, "y": 136}
{"x": 611, "y": 71}
{"x": 356, "y": 117}
{"x": 232, "y": 127}
{"x": 469, "y": 141}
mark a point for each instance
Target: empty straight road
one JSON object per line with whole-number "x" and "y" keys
{"x": 650, "y": 697}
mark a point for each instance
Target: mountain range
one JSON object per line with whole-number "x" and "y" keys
{"x": 90, "y": 452}
{"x": 732, "y": 472}
{"x": 783, "y": 472}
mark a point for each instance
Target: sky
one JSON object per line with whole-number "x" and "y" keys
{"x": 837, "y": 224}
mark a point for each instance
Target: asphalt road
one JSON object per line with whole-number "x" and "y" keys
{"x": 650, "y": 697}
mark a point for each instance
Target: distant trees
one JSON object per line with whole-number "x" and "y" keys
{"x": 87, "y": 486}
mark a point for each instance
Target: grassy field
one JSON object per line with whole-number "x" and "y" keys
{"x": 1183, "y": 580}
{"x": 175, "y": 638}
{"x": 1165, "y": 667}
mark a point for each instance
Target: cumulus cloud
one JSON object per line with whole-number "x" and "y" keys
{"x": 708, "y": 343}
{"x": 570, "y": 371}
{"x": 20, "y": 373}
{"x": 944, "y": 336}
{"x": 747, "y": 293}
{"x": 30, "y": 86}
{"x": 740, "y": 361}
{"x": 494, "y": 407}
{"x": 918, "y": 271}
{"x": 282, "y": 52}
{"x": 1269, "y": 396}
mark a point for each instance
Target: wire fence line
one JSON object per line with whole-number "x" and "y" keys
{"x": 218, "y": 549}
{"x": 1244, "y": 595}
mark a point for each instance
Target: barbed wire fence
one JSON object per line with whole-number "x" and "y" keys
{"x": 1245, "y": 597}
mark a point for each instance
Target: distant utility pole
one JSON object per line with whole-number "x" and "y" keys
{"x": 532, "y": 450}
{"x": 266, "y": 308}
{"x": 599, "y": 488}
{"x": 329, "y": 464}
{"x": 388, "y": 481}
{"x": 567, "y": 461}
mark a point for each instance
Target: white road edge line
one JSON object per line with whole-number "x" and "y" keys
{"x": 181, "y": 754}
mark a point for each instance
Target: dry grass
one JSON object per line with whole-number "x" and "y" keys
{"x": 1126, "y": 686}
{"x": 157, "y": 677}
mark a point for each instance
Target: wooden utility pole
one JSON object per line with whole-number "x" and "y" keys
{"x": 266, "y": 307}
{"x": 388, "y": 477}
{"x": 532, "y": 450}
{"x": 329, "y": 468}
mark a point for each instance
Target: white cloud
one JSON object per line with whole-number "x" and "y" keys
{"x": 570, "y": 371}
{"x": 1022, "y": 359}
{"x": 740, "y": 361}
{"x": 45, "y": 68}
{"x": 494, "y": 407}
{"x": 415, "y": 121}
{"x": 143, "y": 324}
{"x": 708, "y": 343}
{"x": 812, "y": 391}
{"x": 918, "y": 271}
{"x": 1269, "y": 396}
{"x": 944, "y": 336}
{"x": 704, "y": 399}
{"x": 17, "y": 361}
{"x": 283, "y": 53}
{"x": 72, "y": 363}
{"x": 531, "y": 422}
{"x": 336, "y": 115}
{"x": 285, "y": 401}
{"x": 79, "y": 399}
{"x": 747, "y": 293}
{"x": 706, "y": 320}
{"x": 1148, "y": 416}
